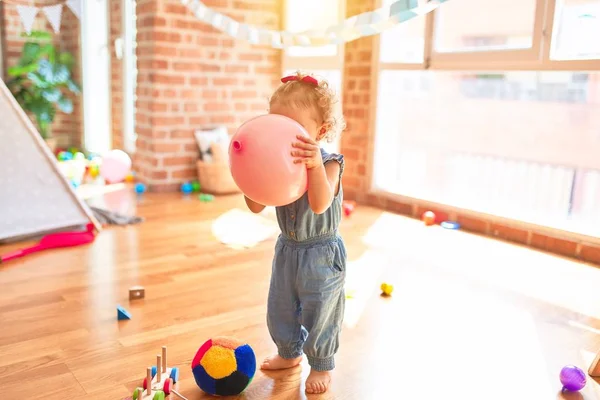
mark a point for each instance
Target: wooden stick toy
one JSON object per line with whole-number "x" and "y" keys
{"x": 137, "y": 292}
{"x": 159, "y": 380}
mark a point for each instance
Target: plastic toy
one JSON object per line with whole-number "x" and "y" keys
{"x": 224, "y": 366}
{"x": 276, "y": 180}
{"x": 387, "y": 289}
{"x": 137, "y": 292}
{"x": 187, "y": 188}
{"x": 64, "y": 156}
{"x": 159, "y": 380}
{"x": 450, "y": 225}
{"x": 196, "y": 186}
{"x": 140, "y": 188}
{"x": 572, "y": 378}
{"x": 115, "y": 166}
{"x": 130, "y": 177}
{"x": 348, "y": 207}
{"x": 205, "y": 197}
{"x": 122, "y": 313}
{"x": 428, "y": 218}
{"x": 54, "y": 241}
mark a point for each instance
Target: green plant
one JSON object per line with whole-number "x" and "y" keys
{"x": 42, "y": 79}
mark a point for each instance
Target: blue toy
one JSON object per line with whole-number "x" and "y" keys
{"x": 122, "y": 313}
{"x": 187, "y": 188}
{"x": 450, "y": 225}
{"x": 140, "y": 188}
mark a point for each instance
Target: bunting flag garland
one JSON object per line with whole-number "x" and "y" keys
{"x": 365, "y": 24}
{"x": 75, "y": 7}
{"x": 27, "y": 15}
{"x": 54, "y": 14}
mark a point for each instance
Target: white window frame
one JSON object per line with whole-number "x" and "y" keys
{"x": 536, "y": 58}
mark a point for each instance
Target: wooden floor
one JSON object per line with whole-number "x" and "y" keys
{"x": 470, "y": 317}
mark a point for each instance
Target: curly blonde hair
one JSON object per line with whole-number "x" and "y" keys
{"x": 321, "y": 98}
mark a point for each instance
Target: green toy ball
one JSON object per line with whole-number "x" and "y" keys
{"x": 196, "y": 186}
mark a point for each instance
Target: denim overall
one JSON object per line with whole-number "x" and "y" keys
{"x": 306, "y": 296}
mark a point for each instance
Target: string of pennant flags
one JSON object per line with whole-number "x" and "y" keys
{"x": 365, "y": 24}
{"x": 53, "y": 13}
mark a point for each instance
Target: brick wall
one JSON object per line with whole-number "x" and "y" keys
{"x": 192, "y": 76}
{"x": 357, "y": 88}
{"x": 67, "y": 128}
{"x": 116, "y": 74}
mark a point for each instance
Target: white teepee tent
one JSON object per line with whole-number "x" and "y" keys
{"x": 35, "y": 198}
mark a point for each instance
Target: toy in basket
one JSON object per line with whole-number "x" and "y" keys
{"x": 159, "y": 380}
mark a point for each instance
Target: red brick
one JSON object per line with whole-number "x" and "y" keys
{"x": 199, "y": 121}
{"x": 509, "y": 233}
{"x": 244, "y": 94}
{"x": 177, "y": 160}
{"x": 188, "y": 173}
{"x": 210, "y": 94}
{"x": 222, "y": 119}
{"x": 190, "y": 107}
{"x": 199, "y": 81}
{"x": 174, "y": 8}
{"x": 236, "y": 68}
{"x": 167, "y": 121}
{"x": 473, "y": 224}
{"x": 225, "y": 81}
{"x": 554, "y": 245}
{"x": 161, "y": 147}
{"x": 590, "y": 253}
{"x": 209, "y": 107}
{"x": 250, "y": 57}
{"x": 399, "y": 207}
{"x": 158, "y": 174}
{"x": 189, "y": 53}
{"x": 169, "y": 79}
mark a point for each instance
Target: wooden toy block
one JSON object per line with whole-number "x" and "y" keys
{"x": 122, "y": 313}
{"x": 136, "y": 292}
{"x": 159, "y": 382}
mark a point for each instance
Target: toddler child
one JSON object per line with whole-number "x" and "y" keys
{"x": 306, "y": 295}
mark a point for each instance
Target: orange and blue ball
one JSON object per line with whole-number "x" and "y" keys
{"x": 224, "y": 366}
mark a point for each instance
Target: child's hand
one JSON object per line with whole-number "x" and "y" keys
{"x": 308, "y": 153}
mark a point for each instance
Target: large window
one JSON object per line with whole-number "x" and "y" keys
{"x": 495, "y": 109}
{"x": 326, "y": 61}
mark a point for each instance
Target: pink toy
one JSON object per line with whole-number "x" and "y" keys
{"x": 261, "y": 162}
{"x": 52, "y": 241}
{"x": 115, "y": 167}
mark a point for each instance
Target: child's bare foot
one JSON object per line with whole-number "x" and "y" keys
{"x": 278, "y": 362}
{"x": 318, "y": 381}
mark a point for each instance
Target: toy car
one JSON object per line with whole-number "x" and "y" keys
{"x": 159, "y": 380}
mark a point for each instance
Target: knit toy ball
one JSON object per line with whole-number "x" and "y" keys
{"x": 224, "y": 366}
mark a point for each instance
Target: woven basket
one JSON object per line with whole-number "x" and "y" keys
{"x": 216, "y": 178}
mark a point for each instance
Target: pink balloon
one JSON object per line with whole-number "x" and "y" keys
{"x": 261, "y": 163}
{"x": 115, "y": 166}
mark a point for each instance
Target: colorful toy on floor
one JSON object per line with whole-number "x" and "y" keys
{"x": 196, "y": 186}
{"x": 159, "y": 381}
{"x": 137, "y": 293}
{"x": 572, "y": 378}
{"x": 387, "y": 289}
{"x": 450, "y": 225}
{"x": 140, "y": 188}
{"x": 122, "y": 313}
{"x": 224, "y": 366}
{"x": 64, "y": 156}
{"x": 130, "y": 177}
{"x": 348, "y": 207}
{"x": 187, "y": 188}
{"x": 261, "y": 162}
{"x": 205, "y": 197}
{"x": 428, "y": 218}
{"x": 54, "y": 241}
{"x": 116, "y": 164}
